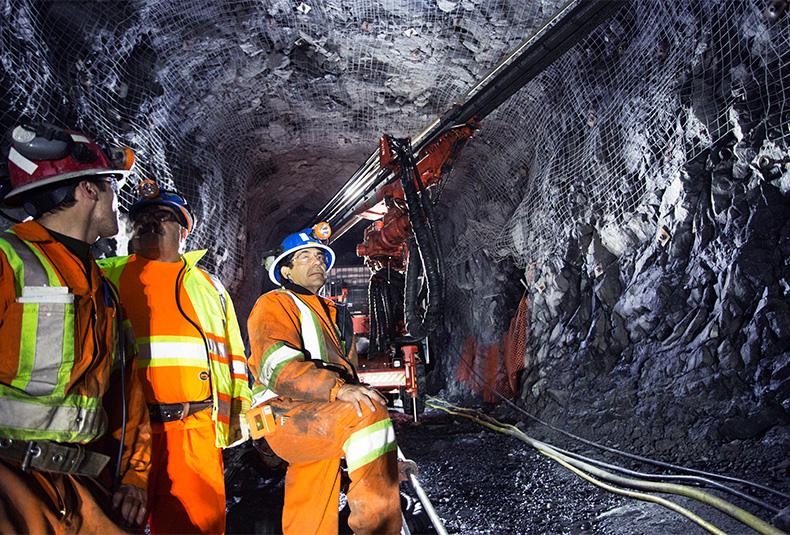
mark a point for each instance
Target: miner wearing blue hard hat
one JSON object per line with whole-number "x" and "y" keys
{"x": 304, "y": 363}
{"x": 191, "y": 363}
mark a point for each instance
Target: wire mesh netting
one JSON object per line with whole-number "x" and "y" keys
{"x": 616, "y": 119}
{"x": 600, "y": 139}
{"x": 206, "y": 92}
{"x": 211, "y": 93}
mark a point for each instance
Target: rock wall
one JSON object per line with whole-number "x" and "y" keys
{"x": 662, "y": 322}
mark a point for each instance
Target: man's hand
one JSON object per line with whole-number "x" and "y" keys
{"x": 131, "y": 502}
{"x": 355, "y": 394}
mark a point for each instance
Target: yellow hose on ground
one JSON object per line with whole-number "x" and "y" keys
{"x": 739, "y": 514}
{"x": 640, "y": 496}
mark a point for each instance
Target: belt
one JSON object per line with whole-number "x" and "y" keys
{"x": 169, "y": 412}
{"x": 48, "y": 456}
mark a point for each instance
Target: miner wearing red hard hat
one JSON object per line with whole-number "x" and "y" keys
{"x": 74, "y": 430}
{"x": 304, "y": 364}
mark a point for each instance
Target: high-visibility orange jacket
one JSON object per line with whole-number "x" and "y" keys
{"x": 190, "y": 350}
{"x": 179, "y": 359}
{"x": 298, "y": 358}
{"x": 296, "y": 347}
{"x": 58, "y": 361}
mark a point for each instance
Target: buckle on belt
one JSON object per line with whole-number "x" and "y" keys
{"x": 32, "y": 452}
{"x": 169, "y": 412}
{"x": 50, "y": 456}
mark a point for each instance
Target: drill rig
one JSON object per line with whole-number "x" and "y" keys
{"x": 372, "y": 193}
{"x": 401, "y": 248}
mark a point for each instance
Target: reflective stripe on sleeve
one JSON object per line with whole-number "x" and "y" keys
{"x": 238, "y": 366}
{"x": 216, "y": 347}
{"x": 223, "y": 409}
{"x": 273, "y": 361}
{"x": 261, "y": 394}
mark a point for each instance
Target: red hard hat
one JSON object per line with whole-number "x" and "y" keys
{"x": 42, "y": 155}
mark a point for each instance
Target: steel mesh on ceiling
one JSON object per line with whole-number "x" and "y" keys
{"x": 206, "y": 90}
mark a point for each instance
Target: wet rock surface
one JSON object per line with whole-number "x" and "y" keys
{"x": 481, "y": 481}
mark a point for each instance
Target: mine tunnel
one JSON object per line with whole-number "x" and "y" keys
{"x": 594, "y": 197}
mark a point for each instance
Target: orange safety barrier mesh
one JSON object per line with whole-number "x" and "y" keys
{"x": 497, "y": 365}
{"x": 515, "y": 344}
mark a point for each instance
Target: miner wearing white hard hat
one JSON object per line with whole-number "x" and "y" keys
{"x": 74, "y": 430}
{"x": 304, "y": 363}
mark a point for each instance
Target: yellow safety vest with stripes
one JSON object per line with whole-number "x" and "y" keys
{"x": 217, "y": 319}
{"x": 42, "y": 402}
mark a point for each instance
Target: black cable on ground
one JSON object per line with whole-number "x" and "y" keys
{"x": 595, "y": 475}
{"x": 691, "y": 471}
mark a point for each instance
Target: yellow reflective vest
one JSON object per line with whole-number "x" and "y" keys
{"x": 58, "y": 360}
{"x": 216, "y": 318}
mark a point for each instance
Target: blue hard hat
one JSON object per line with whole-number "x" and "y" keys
{"x": 304, "y": 239}
{"x": 169, "y": 198}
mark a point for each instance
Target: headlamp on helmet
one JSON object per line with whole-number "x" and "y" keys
{"x": 150, "y": 194}
{"x": 122, "y": 157}
{"x": 148, "y": 189}
{"x": 43, "y": 157}
{"x": 305, "y": 239}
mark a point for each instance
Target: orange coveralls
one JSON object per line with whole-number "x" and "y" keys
{"x": 315, "y": 430}
{"x": 187, "y": 489}
{"x": 49, "y": 502}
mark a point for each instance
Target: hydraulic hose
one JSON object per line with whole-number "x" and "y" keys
{"x": 640, "y": 496}
{"x": 581, "y": 466}
{"x": 386, "y": 300}
{"x": 412, "y": 287}
{"x": 382, "y": 310}
{"x": 430, "y": 218}
{"x": 372, "y": 314}
{"x": 653, "y": 477}
{"x": 423, "y": 252}
{"x": 699, "y": 475}
{"x": 676, "y": 479}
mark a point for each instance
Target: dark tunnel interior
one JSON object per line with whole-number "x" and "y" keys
{"x": 614, "y": 237}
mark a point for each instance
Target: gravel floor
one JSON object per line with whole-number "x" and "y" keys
{"x": 481, "y": 481}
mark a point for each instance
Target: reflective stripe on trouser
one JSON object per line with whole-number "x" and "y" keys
{"x": 36, "y": 502}
{"x": 312, "y": 439}
{"x": 186, "y": 488}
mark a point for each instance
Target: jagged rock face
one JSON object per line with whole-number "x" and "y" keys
{"x": 630, "y": 192}
{"x": 665, "y": 322}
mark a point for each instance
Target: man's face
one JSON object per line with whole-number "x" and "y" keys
{"x": 107, "y": 214}
{"x": 309, "y": 269}
{"x": 157, "y": 233}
